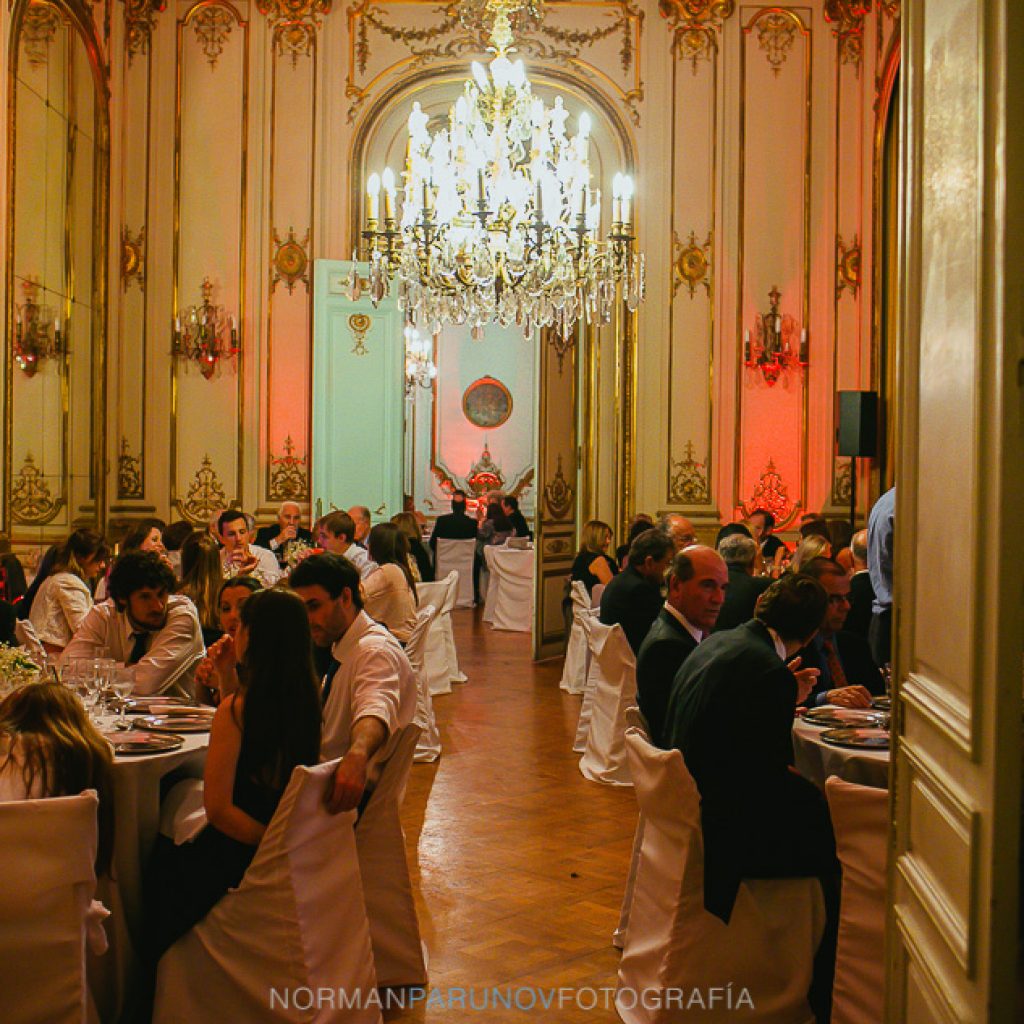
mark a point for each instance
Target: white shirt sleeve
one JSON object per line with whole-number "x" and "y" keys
{"x": 376, "y": 687}
{"x": 91, "y": 636}
{"x": 174, "y": 653}
{"x": 75, "y": 600}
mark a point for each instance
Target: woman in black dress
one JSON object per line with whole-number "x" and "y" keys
{"x": 593, "y": 564}
{"x": 260, "y": 733}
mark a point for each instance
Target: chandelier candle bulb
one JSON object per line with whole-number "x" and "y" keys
{"x": 746, "y": 346}
{"x": 373, "y": 192}
{"x": 803, "y": 345}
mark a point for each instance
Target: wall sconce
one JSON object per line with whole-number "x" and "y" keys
{"x": 205, "y": 334}
{"x": 419, "y": 364}
{"x": 36, "y": 331}
{"x": 772, "y": 351}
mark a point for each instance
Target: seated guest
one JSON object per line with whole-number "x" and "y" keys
{"x": 389, "y": 593}
{"x": 8, "y": 622}
{"x": 201, "y": 582}
{"x": 259, "y": 734}
{"x": 697, "y": 584}
{"x": 679, "y": 529}
{"x": 814, "y": 546}
{"x": 739, "y": 550}
{"x": 146, "y": 535}
{"x": 520, "y": 527}
{"x": 592, "y": 564}
{"x": 862, "y": 594}
{"x": 420, "y": 563}
{"x": 633, "y": 599}
{"x": 495, "y": 529}
{"x": 731, "y": 530}
{"x": 174, "y": 535}
{"x": 847, "y": 675}
{"x": 881, "y": 530}
{"x": 338, "y": 536}
{"x": 215, "y": 675}
{"x": 43, "y": 569}
{"x": 279, "y": 536}
{"x": 48, "y": 747}
{"x": 731, "y": 715}
{"x": 455, "y": 525}
{"x": 840, "y": 535}
{"x": 814, "y": 526}
{"x": 65, "y": 596}
{"x": 145, "y": 627}
{"x": 12, "y": 573}
{"x": 638, "y": 524}
{"x": 361, "y": 519}
{"x": 241, "y": 558}
{"x": 370, "y": 693}
{"x": 773, "y": 551}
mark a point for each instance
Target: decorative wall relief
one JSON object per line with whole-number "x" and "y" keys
{"x": 359, "y": 324}
{"x": 847, "y": 266}
{"x": 129, "y": 473}
{"x": 38, "y": 30}
{"x": 485, "y": 474}
{"x": 32, "y": 501}
{"x": 691, "y": 264}
{"x": 776, "y": 33}
{"x": 848, "y": 18}
{"x": 694, "y": 24}
{"x": 487, "y": 403}
{"x": 139, "y": 22}
{"x": 289, "y": 475}
{"x": 290, "y": 261}
{"x": 558, "y": 494}
{"x": 212, "y": 26}
{"x": 689, "y": 481}
{"x": 205, "y": 495}
{"x": 842, "y": 484}
{"x": 771, "y": 494}
{"x": 295, "y": 24}
{"x": 133, "y": 258}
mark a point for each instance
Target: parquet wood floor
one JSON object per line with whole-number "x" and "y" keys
{"x": 518, "y": 862}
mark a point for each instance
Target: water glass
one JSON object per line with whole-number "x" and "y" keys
{"x": 104, "y": 679}
{"x": 123, "y": 683}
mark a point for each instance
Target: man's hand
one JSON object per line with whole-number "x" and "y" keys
{"x": 346, "y": 789}
{"x": 849, "y": 697}
{"x": 245, "y": 561}
{"x": 289, "y": 532}
{"x": 805, "y": 679}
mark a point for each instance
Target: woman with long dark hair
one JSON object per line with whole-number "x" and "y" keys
{"x": 389, "y": 592}
{"x": 260, "y": 733}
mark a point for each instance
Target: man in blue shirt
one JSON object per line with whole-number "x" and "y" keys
{"x": 880, "y": 548}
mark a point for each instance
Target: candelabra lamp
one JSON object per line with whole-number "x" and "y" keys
{"x": 37, "y": 334}
{"x": 419, "y": 366}
{"x": 774, "y": 349}
{"x": 206, "y": 334}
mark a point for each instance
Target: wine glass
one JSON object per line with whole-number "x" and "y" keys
{"x": 123, "y": 683}
{"x": 103, "y": 680}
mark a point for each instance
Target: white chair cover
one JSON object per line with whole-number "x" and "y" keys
{"x": 634, "y": 720}
{"x": 577, "y": 654}
{"x": 46, "y": 891}
{"x": 860, "y": 816}
{"x": 672, "y": 942}
{"x": 604, "y": 759}
{"x": 398, "y": 951}
{"x": 296, "y": 923}
{"x": 510, "y": 597}
{"x": 440, "y": 660}
{"x": 429, "y": 747}
{"x": 25, "y": 634}
{"x": 579, "y": 743}
{"x": 457, "y": 556}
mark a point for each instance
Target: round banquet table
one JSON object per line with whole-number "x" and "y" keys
{"x": 817, "y": 760}
{"x": 137, "y": 792}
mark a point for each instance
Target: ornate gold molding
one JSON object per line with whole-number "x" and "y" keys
{"x": 688, "y": 483}
{"x": 212, "y": 26}
{"x": 847, "y": 266}
{"x": 139, "y": 22}
{"x": 290, "y": 261}
{"x": 129, "y": 473}
{"x": 295, "y": 24}
{"x": 558, "y": 494}
{"x": 776, "y": 33}
{"x": 133, "y": 258}
{"x": 289, "y": 475}
{"x": 770, "y": 493}
{"x": 205, "y": 495}
{"x": 841, "y": 482}
{"x": 695, "y": 24}
{"x": 359, "y": 324}
{"x": 32, "y": 501}
{"x": 38, "y": 29}
{"x": 848, "y": 18}
{"x": 691, "y": 263}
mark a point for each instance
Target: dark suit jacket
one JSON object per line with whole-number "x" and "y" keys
{"x": 633, "y": 603}
{"x": 265, "y": 534}
{"x": 423, "y": 562}
{"x": 855, "y": 657}
{"x": 862, "y": 594}
{"x": 740, "y": 599}
{"x": 731, "y": 715}
{"x": 665, "y": 648}
{"x": 453, "y": 526}
{"x": 520, "y": 527}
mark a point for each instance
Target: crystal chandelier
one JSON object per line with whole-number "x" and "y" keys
{"x": 205, "y": 334}
{"x": 419, "y": 366}
{"x": 498, "y": 219}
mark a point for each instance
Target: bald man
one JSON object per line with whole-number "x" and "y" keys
{"x": 679, "y": 528}
{"x": 361, "y": 518}
{"x": 862, "y": 594}
{"x": 279, "y": 536}
{"x": 697, "y": 581}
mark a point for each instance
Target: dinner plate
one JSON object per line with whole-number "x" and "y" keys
{"x": 882, "y": 703}
{"x": 177, "y": 723}
{"x": 833, "y": 717}
{"x": 861, "y": 739}
{"x": 151, "y": 705}
{"x": 135, "y": 742}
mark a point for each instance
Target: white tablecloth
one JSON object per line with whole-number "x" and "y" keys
{"x": 817, "y": 760}
{"x": 137, "y": 783}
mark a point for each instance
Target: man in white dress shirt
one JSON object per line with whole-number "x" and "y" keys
{"x": 144, "y": 627}
{"x": 369, "y": 694}
{"x": 338, "y": 536}
{"x": 241, "y": 558}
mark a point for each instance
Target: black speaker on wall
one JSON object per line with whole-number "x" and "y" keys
{"x": 858, "y": 424}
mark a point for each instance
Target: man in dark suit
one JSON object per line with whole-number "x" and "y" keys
{"x": 740, "y": 552}
{"x": 847, "y": 675}
{"x": 731, "y": 715}
{"x": 862, "y": 594}
{"x": 456, "y": 525}
{"x": 520, "y": 527}
{"x": 696, "y": 590}
{"x": 279, "y": 536}
{"x": 633, "y": 598}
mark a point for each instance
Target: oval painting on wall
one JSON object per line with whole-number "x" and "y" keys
{"x": 487, "y": 403}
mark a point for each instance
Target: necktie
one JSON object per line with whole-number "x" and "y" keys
{"x": 835, "y": 666}
{"x": 325, "y": 690}
{"x": 138, "y": 648}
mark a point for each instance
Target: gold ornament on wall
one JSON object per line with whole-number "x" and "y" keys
{"x": 133, "y": 258}
{"x": 32, "y": 501}
{"x": 129, "y": 472}
{"x": 847, "y": 266}
{"x": 691, "y": 263}
{"x": 695, "y": 25}
{"x": 770, "y": 493}
{"x": 38, "y": 29}
{"x": 776, "y": 33}
{"x": 205, "y": 495}
{"x": 688, "y": 482}
{"x": 842, "y": 482}
{"x": 139, "y": 22}
{"x": 359, "y": 324}
{"x": 289, "y": 475}
{"x": 848, "y": 18}
{"x": 212, "y": 26}
{"x": 558, "y": 494}
{"x": 295, "y": 24}
{"x": 290, "y": 261}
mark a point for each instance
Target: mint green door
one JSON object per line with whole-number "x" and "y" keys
{"x": 358, "y": 389}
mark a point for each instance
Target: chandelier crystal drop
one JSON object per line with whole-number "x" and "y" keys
{"x": 498, "y": 220}
{"x": 419, "y": 364}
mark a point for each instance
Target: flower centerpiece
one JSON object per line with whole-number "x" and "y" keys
{"x": 17, "y": 669}
{"x": 297, "y": 550}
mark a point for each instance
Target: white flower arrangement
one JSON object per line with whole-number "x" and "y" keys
{"x": 17, "y": 669}
{"x": 295, "y": 551}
